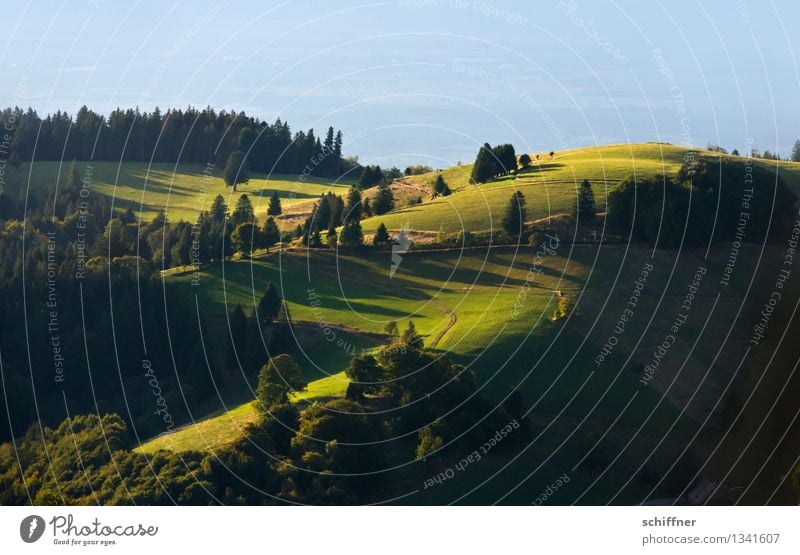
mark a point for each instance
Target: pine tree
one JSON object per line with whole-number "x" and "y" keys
{"x": 381, "y": 238}
{"x": 270, "y": 235}
{"x": 484, "y": 168}
{"x": 322, "y": 214}
{"x": 367, "y": 207}
{"x": 337, "y": 210}
{"x": 236, "y": 170}
{"x": 514, "y": 219}
{"x": 367, "y": 178}
{"x": 796, "y": 152}
{"x": 274, "y": 205}
{"x": 505, "y": 159}
{"x": 219, "y": 210}
{"x": 440, "y": 187}
{"x": 270, "y": 304}
{"x": 384, "y": 200}
{"x": 352, "y": 210}
{"x": 243, "y": 213}
{"x": 411, "y": 338}
{"x": 583, "y": 211}
{"x": 352, "y": 234}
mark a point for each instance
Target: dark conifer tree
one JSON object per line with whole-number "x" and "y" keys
{"x": 274, "y": 208}
{"x": 583, "y": 211}
{"x": 514, "y": 219}
{"x": 236, "y": 171}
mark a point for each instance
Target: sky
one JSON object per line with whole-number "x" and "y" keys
{"x": 426, "y": 81}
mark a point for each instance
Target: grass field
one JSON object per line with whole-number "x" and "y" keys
{"x": 549, "y": 186}
{"x": 550, "y": 362}
{"x": 183, "y": 191}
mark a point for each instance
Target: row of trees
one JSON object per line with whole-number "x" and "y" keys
{"x": 493, "y": 162}
{"x": 191, "y": 135}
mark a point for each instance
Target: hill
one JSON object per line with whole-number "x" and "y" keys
{"x": 549, "y": 185}
{"x": 182, "y": 190}
{"x": 487, "y": 308}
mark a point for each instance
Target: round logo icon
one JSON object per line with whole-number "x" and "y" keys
{"x": 31, "y": 528}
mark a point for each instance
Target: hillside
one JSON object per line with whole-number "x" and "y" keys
{"x": 523, "y": 319}
{"x": 520, "y": 346}
{"x": 549, "y": 185}
{"x": 183, "y": 190}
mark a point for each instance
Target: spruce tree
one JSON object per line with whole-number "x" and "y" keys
{"x": 243, "y": 213}
{"x": 219, "y": 210}
{"x": 440, "y": 187}
{"x": 236, "y": 170}
{"x": 367, "y": 178}
{"x": 269, "y": 305}
{"x": 384, "y": 200}
{"x": 411, "y": 339}
{"x": 352, "y": 210}
{"x": 274, "y": 205}
{"x": 514, "y": 219}
{"x": 583, "y": 211}
{"x": 484, "y": 168}
{"x": 270, "y": 235}
{"x": 381, "y": 238}
{"x": 352, "y": 234}
{"x": 796, "y": 152}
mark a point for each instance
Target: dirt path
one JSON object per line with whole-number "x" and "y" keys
{"x": 448, "y": 327}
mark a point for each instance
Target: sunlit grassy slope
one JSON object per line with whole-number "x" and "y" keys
{"x": 549, "y": 185}
{"x": 551, "y": 362}
{"x": 183, "y": 190}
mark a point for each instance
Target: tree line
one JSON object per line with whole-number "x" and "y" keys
{"x": 191, "y": 135}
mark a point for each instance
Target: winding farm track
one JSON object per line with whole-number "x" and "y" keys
{"x": 448, "y": 327}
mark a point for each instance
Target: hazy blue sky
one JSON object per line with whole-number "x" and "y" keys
{"x": 426, "y": 81}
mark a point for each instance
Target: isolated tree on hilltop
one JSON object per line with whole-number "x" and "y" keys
{"x": 796, "y": 152}
{"x": 514, "y": 219}
{"x": 270, "y": 304}
{"x": 440, "y": 187}
{"x": 274, "y": 205}
{"x": 583, "y": 211}
{"x": 236, "y": 170}
{"x": 524, "y": 160}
